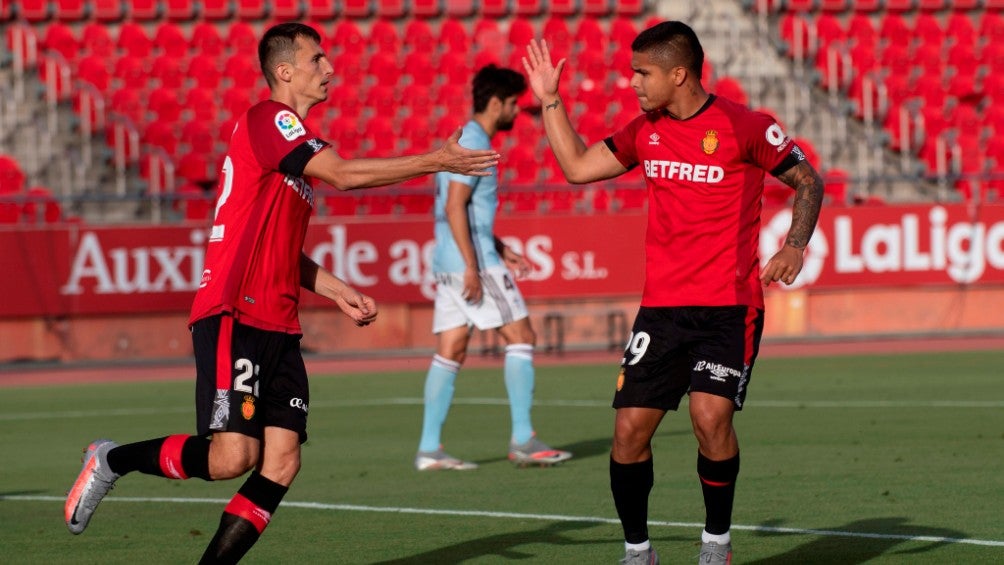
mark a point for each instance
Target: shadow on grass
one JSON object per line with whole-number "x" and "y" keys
{"x": 875, "y": 537}
{"x": 504, "y": 546}
{"x": 589, "y": 448}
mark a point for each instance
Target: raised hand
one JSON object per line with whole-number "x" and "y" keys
{"x": 542, "y": 73}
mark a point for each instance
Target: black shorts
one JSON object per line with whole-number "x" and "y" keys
{"x": 677, "y": 350}
{"x": 247, "y": 379}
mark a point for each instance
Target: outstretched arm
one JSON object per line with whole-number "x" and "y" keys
{"x": 361, "y": 308}
{"x": 348, "y": 174}
{"x": 580, "y": 164}
{"x": 785, "y": 265}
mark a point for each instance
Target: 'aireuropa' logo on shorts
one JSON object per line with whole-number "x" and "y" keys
{"x": 289, "y": 125}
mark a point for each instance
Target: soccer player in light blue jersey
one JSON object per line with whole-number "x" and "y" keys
{"x": 475, "y": 288}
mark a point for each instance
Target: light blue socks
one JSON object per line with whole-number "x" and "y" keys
{"x": 438, "y": 396}
{"x": 519, "y": 383}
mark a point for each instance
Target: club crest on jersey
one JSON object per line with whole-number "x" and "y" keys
{"x": 710, "y": 142}
{"x": 289, "y": 125}
{"x": 653, "y": 139}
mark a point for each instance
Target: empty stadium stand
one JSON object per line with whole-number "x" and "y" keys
{"x": 893, "y": 98}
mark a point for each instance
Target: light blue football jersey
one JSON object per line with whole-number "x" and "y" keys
{"x": 480, "y": 211}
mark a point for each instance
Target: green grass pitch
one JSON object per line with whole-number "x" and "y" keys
{"x": 879, "y": 459}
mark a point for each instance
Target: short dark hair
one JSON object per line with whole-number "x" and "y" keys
{"x": 278, "y": 45}
{"x": 671, "y": 44}
{"x": 495, "y": 81}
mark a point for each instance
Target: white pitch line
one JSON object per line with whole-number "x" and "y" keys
{"x": 405, "y": 401}
{"x": 541, "y": 517}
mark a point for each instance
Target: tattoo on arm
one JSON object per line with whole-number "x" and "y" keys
{"x": 553, "y": 105}
{"x": 808, "y": 187}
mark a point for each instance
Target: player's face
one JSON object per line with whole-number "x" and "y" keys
{"x": 507, "y": 117}
{"x": 312, "y": 71}
{"x": 653, "y": 85}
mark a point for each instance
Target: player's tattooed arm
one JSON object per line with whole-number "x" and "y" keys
{"x": 553, "y": 105}
{"x": 808, "y": 187}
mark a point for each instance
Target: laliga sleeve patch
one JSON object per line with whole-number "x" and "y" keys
{"x": 289, "y": 125}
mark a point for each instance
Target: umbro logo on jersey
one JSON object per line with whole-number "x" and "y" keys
{"x": 653, "y": 139}
{"x": 289, "y": 125}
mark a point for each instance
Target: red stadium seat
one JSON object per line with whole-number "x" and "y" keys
{"x": 96, "y": 40}
{"x": 861, "y": 31}
{"x": 165, "y": 103}
{"x": 241, "y": 38}
{"x": 349, "y": 68}
{"x": 93, "y": 69}
{"x": 216, "y": 9}
{"x": 426, "y": 8}
{"x": 417, "y": 100}
{"x": 459, "y": 8}
{"x": 634, "y": 198}
{"x": 286, "y": 10}
{"x": 130, "y": 103}
{"x": 383, "y": 36}
{"x": 134, "y": 40}
{"x": 113, "y": 10}
{"x": 391, "y": 9}
{"x": 829, "y": 30}
{"x": 594, "y": 8}
{"x": 34, "y": 11}
{"x": 866, "y": 6}
{"x": 160, "y": 133}
{"x": 454, "y": 68}
{"x": 566, "y": 8}
{"x": 728, "y": 87}
{"x": 139, "y": 10}
{"x": 42, "y": 207}
{"x": 348, "y": 38}
{"x": 131, "y": 72}
{"x": 384, "y": 68}
{"x": 417, "y": 132}
{"x": 589, "y": 36}
{"x": 893, "y": 28}
{"x": 418, "y": 204}
{"x": 521, "y": 31}
{"x": 378, "y": 204}
{"x": 453, "y": 36}
{"x": 170, "y": 39}
{"x": 321, "y": 10}
{"x": 927, "y": 30}
{"x": 419, "y": 69}
{"x": 834, "y": 6}
{"x": 493, "y": 9}
{"x": 236, "y": 100}
{"x": 419, "y": 37}
{"x": 559, "y": 38}
{"x": 71, "y": 10}
{"x": 250, "y": 10}
{"x": 61, "y": 38}
{"x": 520, "y": 166}
{"x": 622, "y": 32}
{"x": 205, "y": 72}
{"x": 629, "y": 7}
{"x": 169, "y": 71}
{"x": 201, "y": 102}
{"x": 528, "y": 7}
{"x": 11, "y": 176}
{"x": 242, "y": 70}
{"x": 206, "y": 40}
{"x": 180, "y": 10}
{"x": 358, "y": 9}
{"x": 897, "y": 6}
{"x": 194, "y": 203}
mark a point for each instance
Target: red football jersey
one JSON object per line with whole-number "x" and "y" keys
{"x": 252, "y": 265}
{"x": 705, "y": 181}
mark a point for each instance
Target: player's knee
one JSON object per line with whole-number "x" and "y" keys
{"x": 230, "y": 467}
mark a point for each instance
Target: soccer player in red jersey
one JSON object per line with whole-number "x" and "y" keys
{"x": 698, "y": 328}
{"x": 251, "y": 384}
